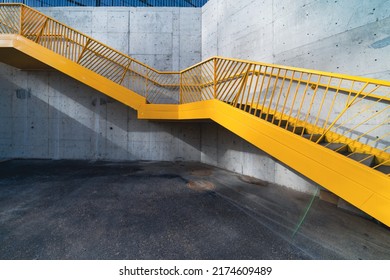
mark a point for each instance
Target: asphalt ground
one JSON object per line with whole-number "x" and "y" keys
{"x": 163, "y": 210}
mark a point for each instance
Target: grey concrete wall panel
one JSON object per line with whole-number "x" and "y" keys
{"x": 165, "y": 38}
{"x": 57, "y": 117}
{"x": 337, "y": 36}
{"x": 63, "y": 119}
{"x": 345, "y": 36}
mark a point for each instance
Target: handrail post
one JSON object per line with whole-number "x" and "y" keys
{"x": 147, "y": 84}
{"x": 215, "y": 77}
{"x": 125, "y": 72}
{"x": 181, "y": 88}
{"x": 243, "y": 84}
{"x": 41, "y": 32}
{"x": 83, "y": 51}
{"x": 347, "y": 106}
{"x": 21, "y": 20}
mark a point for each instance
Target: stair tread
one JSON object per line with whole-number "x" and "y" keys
{"x": 297, "y": 129}
{"x": 365, "y": 159}
{"x": 338, "y": 147}
{"x": 384, "y": 169}
{"x": 265, "y": 116}
{"x": 257, "y": 113}
{"x": 280, "y": 122}
{"x": 313, "y": 137}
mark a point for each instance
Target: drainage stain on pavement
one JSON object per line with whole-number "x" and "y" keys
{"x": 201, "y": 186}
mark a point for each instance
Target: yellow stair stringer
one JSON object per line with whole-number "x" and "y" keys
{"x": 72, "y": 69}
{"x": 333, "y": 137}
{"x": 369, "y": 191}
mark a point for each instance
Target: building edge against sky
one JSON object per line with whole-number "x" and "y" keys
{"x": 108, "y": 3}
{"x": 62, "y": 118}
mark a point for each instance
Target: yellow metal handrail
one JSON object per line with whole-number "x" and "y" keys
{"x": 156, "y": 86}
{"x": 321, "y": 106}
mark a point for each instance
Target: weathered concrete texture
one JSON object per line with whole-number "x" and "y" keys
{"x": 164, "y": 38}
{"x": 222, "y": 148}
{"x": 161, "y": 210}
{"x": 338, "y": 36}
{"x": 60, "y": 118}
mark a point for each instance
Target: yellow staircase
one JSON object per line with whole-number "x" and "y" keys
{"x": 332, "y": 128}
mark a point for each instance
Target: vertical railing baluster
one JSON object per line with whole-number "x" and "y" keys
{"x": 348, "y": 105}
{"x": 215, "y": 77}
{"x": 83, "y": 51}
{"x": 21, "y": 20}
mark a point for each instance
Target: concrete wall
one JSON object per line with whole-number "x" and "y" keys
{"x": 349, "y": 36}
{"x": 224, "y": 149}
{"x": 61, "y": 118}
{"x": 164, "y": 38}
{"x": 346, "y": 36}
{"x": 58, "y": 117}
{"x": 49, "y": 115}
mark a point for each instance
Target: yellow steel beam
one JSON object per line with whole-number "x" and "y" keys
{"x": 330, "y": 136}
{"x": 370, "y": 191}
{"x": 72, "y": 69}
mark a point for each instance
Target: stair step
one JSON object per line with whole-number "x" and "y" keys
{"x": 313, "y": 137}
{"x": 338, "y": 147}
{"x": 267, "y": 117}
{"x": 244, "y": 107}
{"x": 252, "y": 111}
{"x": 297, "y": 130}
{"x": 279, "y": 122}
{"x": 384, "y": 169}
{"x": 368, "y": 160}
{"x": 258, "y": 113}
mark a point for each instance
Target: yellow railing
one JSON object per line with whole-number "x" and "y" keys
{"x": 324, "y": 107}
{"x": 156, "y": 86}
{"x": 321, "y": 106}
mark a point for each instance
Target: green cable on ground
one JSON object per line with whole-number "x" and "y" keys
{"x": 305, "y": 214}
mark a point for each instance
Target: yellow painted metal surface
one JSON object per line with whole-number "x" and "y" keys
{"x": 279, "y": 109}
{"x": 90, "y": 78}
